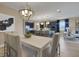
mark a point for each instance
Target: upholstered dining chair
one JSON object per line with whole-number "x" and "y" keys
{"x": 54, "y": 48}
{"x": 12, "y": 45}
{"x": 2, "y": 44}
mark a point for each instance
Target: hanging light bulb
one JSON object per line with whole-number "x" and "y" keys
{"x": 26, "y": 11}
{"x": 47, "y": 22}
{"x": 22, "y": 12}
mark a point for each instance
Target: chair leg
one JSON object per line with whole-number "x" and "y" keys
{"x": 5, "y": 49}
{"x": 59, "y": 50}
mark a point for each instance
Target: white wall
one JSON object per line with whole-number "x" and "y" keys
{"x": 72, "y": 24}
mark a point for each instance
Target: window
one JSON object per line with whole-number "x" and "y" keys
{"x": 62, "y": 25}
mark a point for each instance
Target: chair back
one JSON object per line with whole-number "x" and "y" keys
{"x": 12, "y": 43}
{"x": 55, "y": 44}
{"x": 1, "y": 38}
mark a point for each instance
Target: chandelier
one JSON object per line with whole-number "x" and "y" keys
{"x": 27, "y": 12}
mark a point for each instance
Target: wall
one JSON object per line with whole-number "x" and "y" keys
{"x": 72, "y": 23}
{"x": 18, "y": 21}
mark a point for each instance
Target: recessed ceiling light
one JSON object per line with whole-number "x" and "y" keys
{"x": 58, "y": 10}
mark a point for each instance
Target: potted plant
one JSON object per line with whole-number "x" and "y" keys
{"x": 27, "y": 34}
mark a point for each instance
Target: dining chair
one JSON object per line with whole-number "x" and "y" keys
{"x": 2, "y": 44}
{"x": 1, "y": 38}
{"x": 53, "y": 49}
{"x": 12, "y": 45}
{"x": 55, "y": 46}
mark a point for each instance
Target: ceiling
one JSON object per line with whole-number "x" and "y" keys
{"x": 48, "y": 10}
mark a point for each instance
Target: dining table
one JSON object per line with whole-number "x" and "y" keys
{"x": 38, "y": 43}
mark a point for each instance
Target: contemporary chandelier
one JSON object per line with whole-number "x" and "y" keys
{"x": 26, "y": 12}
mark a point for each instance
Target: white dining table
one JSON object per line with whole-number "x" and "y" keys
{"x": 37, "y": 43}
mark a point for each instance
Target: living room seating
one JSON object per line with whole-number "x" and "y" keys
{"x": 44, "y": 33}
{"x": 76, "y": 35}
{"x": 69, "y": 36}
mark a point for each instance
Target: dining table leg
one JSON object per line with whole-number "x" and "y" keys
{"x": 39, "y": 53}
